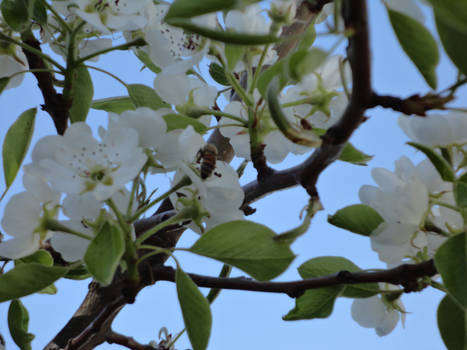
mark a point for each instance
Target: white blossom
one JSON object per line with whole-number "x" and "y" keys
{"x": 11, "y": 63}
{"x": 78, "y": 163}
{"x": 147, "y": 122}
{"x": 436, "y": 130}
{"x": 375, "y": 313}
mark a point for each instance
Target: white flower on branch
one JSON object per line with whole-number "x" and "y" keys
{"x": 12, "y": 60}
{"x": 78, "y": 163}
{"x": 379, "y": 313}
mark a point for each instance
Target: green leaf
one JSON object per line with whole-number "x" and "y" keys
{"x": 39, "y": 12}
{"x": 248, "y": 246}
{"x": 26, "y": 279}
{"x": 104, "y": 253}
{"x": 144, "y": 57}
{"x": 217, "y": 73}
{"x": 452, "y": 324}
{"x": 460, "y": 191}
{"x": 3, "y": 83}
{"x": 178, "y": 121}
{"x": 82, "y": 93}
{"x": 280, "y": 69}
{"x": 18, "y": 323}
{"x": 314, "y": 303}
{"x": 451, "y": 263}
{"x": 16, "y": 144}
{"x": 190, "y": 8}
{"x": 78, "y": 273}
{"x": 233, "y": 54}
{"x": 195, "y": 310}
{"x": 352, "y": 155}
{"x": 452, "y": 12}
{"x": 303, "y": 62}
{"x": 329, "y": 265}
{"x": 114, "y": 104}
{"x": 441, "y": 164}
{"x": 357, "y": 218}
{"x": 145, "y": 96}
{"x": 418, "y": 44}
{"x": 450, "y": 37}
{"x": 228, "y": 37}
{"x": 41, "y": 256}
{"x": 16, "y": 14}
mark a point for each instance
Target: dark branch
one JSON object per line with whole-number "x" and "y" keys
{"x": 405, "y": 275}
{"x": 128, "y": 342}
{"x": 54, "y": 103}
{"x": 414, "y": 104}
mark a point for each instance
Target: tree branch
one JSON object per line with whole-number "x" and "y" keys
{"x": 414, "y": 104}
{"x": 128, "y": 342}
{"x": 54, "y": 103}
{"x": 405, "y": 275}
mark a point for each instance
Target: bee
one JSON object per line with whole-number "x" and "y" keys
{"x": 207, "y": 157}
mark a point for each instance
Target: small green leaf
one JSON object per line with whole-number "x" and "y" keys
{"x": 228, "y": 37}
{"x": 39, "y": 12}
{"x": 26, "y": 279}
{"x": 217, "y": 73}
{"x": 104, "y": 253}
{"x": 418, "y": 44}
{"x": 18, "y": 323}
{"x": 314, "y": 303}
{"x": 450, "y": 37}
{"x": 441, "y": 164}
{"x": 329, "y": 265}
{"x": 451, "y": 263}
{"x": 16, "y": 144}
{"x": 195, "y": 310}
{"x": 303, "y": 62}
{"x": 248, "y": 246}
{"x": 279, "y": 69}
{"x": 16, "y": 14}
{"x": 82, "y": 93}
{"x": 357, "y": 218}
{"x": 78, "y": 273}
{"x": 452, "y": 324}
{"x": 352, "y": 155}
{"x": 41, "y": 256}
{"x": 190, "y": 8}
{"x": 145, "y": 96}
{"x": 179, "y": 121}
{"x": 3, "y": 83}
{"x": 460, "y": 191}
{"x": 114, "y": 104}
{"x": 233, "y": 54}
{"x": 144, "y": 57}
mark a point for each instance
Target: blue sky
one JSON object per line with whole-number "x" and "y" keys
{"x": 244, "y": 320}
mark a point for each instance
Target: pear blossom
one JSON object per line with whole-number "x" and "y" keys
{"x": 277, "y": 146}
{"x": 186, "y": 92}
{"x": 220, "y": 194}
{"x": 147, "y": 122}
{"x": 178, "y": 147}
{"x": 77, "y": 163}
{"x": 170, "y": 47}
{"x": 109, "y": 14}
{"x": 13, "y": 60}
{"x": 436, "y": 130}
{"x": 377, "y": 313}
{"x": 23, "y": 220}
{"x": 82, "y": 209}
{"x": 402, "y": 199}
